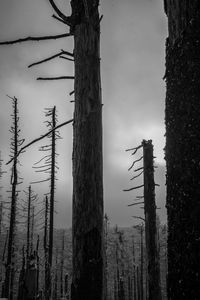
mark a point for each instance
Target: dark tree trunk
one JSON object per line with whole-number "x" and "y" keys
{"x": 9, "y": 276}
{"x": 87, "y": 281}
{"x": 153, "y": 269}
{"x": 62, "y": 265}
{"x": 28, "y": 228}
{"x": 142, "y": 261}
{"x": 183, "y": 148}
{"x": 46, "y": 249}
{"x": 134, "y": 274}
{"x": 52, "y": 186}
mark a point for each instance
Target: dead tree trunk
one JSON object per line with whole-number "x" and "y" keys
{"x": 142, "y": 261}
{"x": 62, "y": 266}
{"x": 52, "y": 186}
{"x": 183, "y": 148}
{"x": 9, "y": 276}
{"x": 45, "y": 245}
{"x": 134, "y": 273}
{"x": 87, "y": 281}
{"x": 1, "y": 218}
{"x": 28, "y": 228}
{"x": 153, "y": 270}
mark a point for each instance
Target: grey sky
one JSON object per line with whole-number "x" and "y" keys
{"x": 133, "y": 36}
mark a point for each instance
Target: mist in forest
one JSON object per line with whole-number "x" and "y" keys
{"x": 132, "y": 66}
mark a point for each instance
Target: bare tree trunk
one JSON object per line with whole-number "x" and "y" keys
{"x": 1, "y": 218}
{"x": 62, "y": 265}
{"x": 87, "y": 281}
{"x": 183, "y": 148}
{"x": 28, "y": 228}
{"x": 154, "y": 289}
{"x": 10, "y": 254}
{"x": 142, "y": 261}
{"x": 134, "y": 273}
{"x": 46, "y": 249}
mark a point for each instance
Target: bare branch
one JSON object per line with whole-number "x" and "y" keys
{"x": 59, "y": 13}
{"x": 71, "y": 93}
{"x": 55, "y": 78}
{"x": 137, "y": 175}
{"x": 67, "y": 58}
{"x": 135, "y": 163}
{"x": 138, "y": 169}
{"x": 138, "y": 218}
{"x": 36, "y": 38}
{"x": 59, "y": 19}
{"x": 134, "y": 188}
{"x": 135, "y": 203}
{"x": 136, "y": 149}
{"x": 33, "y": 182}
{"x": 40, "y": 138}
{"x": 50, "y": 58}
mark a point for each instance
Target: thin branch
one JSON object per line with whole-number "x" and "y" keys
{"x": 50, "y": 58}
{"x": 71, "y": 93}
{"x": 135, "y": 163}
{"x": 59, "y": 19}
{"x": 40, "y": 138}
{"x": 33, "y": 182}
{"x": 134, "y": 188}
{"x": 139, "y": 169}
{"x": 137, "y": 175}
{"x": 59, "y": 13}
{"x": 138, "y": 218}
{"x": 136, "y": 149}
{"x": 55, "y": 78}
{"x": 135, "y": 203}
{"x": 36, "y": 38}
{"x": 67, "y": 58}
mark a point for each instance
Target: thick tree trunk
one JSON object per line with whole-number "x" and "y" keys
{"x": 153, "y": 269}
{"x": 183, "y": 148}
{"x": 87, "y": 282}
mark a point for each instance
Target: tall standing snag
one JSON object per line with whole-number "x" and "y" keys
{"x": 87, "y": 282}
{"x": 15, "y": 143}
{"x": 153, "y": 272}
{"x": 183, "y": 148}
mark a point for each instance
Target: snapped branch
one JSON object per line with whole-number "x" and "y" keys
{"x": 36, "y": 38}
{"x": 135, "y": 149}
{"x": 38, "y": 139}
{"x": 138, "y": 218}
{"x": 55, "y": 78}
{"x": 132, "y": 204}
{"x": 51, "y": 57}
{"x": 135, "y": 163}
{"x": 59, "y": 13}
{"x": 134, "y": 188}
{"x": 137, "y": 175}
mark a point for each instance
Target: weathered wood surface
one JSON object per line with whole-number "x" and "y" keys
{"x": 153, "y": 269}
{"x": 183, "y": 148}
{"x": 87, "y": 156}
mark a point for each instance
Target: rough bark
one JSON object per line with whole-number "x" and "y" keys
{"x": 153, "y": 269}
{"x": 87, "y": 281}
{"x": 183, "y": 148}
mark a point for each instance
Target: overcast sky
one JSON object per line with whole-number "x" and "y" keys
{"x": 133, "y": 36}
